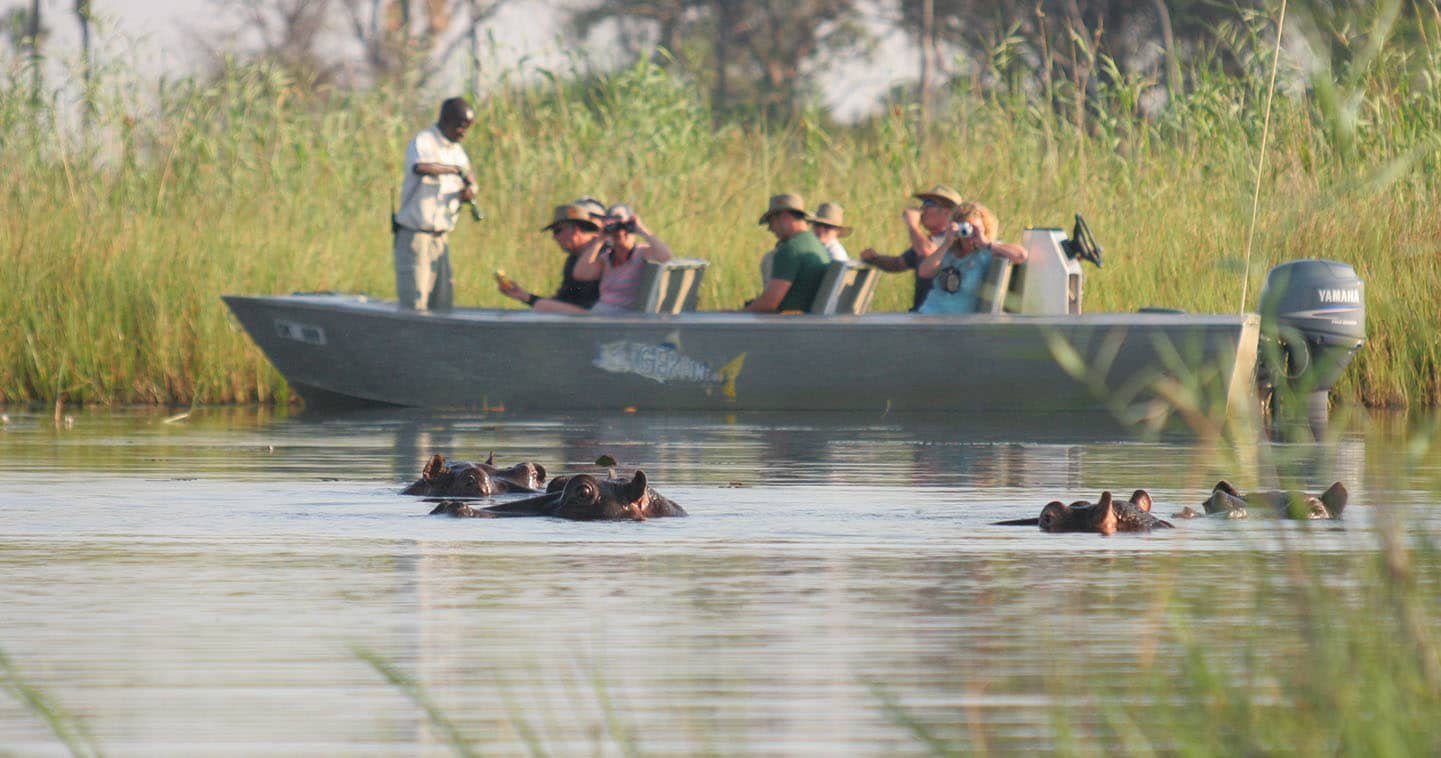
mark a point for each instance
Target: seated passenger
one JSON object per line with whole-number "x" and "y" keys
{"x": 572, "y": 229}
{"x": 926, "y": 227}
{"x": 829, "y": 225}
{"x": 620, "y": 262}
{"x": 798, "y": 263}
{"x": 959, "y": 264}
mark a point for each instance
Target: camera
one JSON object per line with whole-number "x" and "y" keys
{"x": 964, "y": 230}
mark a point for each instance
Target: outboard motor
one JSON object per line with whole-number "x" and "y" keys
{"x": 1313, "y": 320}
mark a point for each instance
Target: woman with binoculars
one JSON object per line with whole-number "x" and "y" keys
{"x": 619, "y": 262}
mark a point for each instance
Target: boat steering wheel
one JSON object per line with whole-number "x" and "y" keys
{"x": 1082, "y": 243}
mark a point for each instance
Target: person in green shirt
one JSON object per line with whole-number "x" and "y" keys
{"x": 798, "y": 263}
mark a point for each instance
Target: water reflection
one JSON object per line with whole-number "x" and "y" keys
{"x": 198, "y": 586}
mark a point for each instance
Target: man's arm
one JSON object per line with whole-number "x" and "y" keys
{"x": 770, "y": 298}
{"x": 588, "y": 267}
{"x": 891, "y": 263}
{"x": 920, "y": 237}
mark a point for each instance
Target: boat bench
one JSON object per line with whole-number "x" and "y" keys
{"x": 672, "y": 286}
{"x": 994, "y": 288}
{"x": 847, "y": 287}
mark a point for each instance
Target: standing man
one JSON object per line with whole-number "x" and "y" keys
{"x": 798, "y": 263}
{"x": 437, "y": 181}
{"x": 926, "y": 227}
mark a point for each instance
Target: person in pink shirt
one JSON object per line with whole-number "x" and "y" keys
{"x": 617, "y": 259}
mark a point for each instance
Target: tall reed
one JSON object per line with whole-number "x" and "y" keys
{"x": 118, "y": 246}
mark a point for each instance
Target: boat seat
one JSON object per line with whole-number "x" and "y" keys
{"x": 992, "y": 297}
{"x": 847, "y": 287}
{"x": 672, "y": 286}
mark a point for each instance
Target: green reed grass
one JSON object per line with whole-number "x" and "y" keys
{"x": 67, "y": 729}
{"x": 118, "y": 244}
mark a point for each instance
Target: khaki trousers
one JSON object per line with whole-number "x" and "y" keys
{"x": 422, "y": 270}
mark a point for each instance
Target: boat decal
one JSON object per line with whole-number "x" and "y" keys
{"x": 665, "y": 362}
{"x": 307, "y": 333}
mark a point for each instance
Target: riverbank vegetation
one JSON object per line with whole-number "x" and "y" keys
{"x": 118, "y": 237}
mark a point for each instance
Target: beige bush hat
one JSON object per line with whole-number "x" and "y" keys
{"x": 577, "y": 213}
{"x": 831, "y": 214}
{"x": 941, "y": 192}
{"x": 786, "y": 202}
{"x": 592, "y": 205}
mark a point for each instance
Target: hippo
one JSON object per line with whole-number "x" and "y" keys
{"x": 1226, "y": 502}
{"x": 581, "y": 497}
{"x": 1105, "y": 517}
{"x": 466, "y": 479}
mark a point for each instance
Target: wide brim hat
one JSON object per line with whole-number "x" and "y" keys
{"x": 941, "y": 192}
{"x": 572, "y": 212}
{"x": 831, "y": 214}
{"x": 781, "y": 203}
{"x": 595, "y": 207}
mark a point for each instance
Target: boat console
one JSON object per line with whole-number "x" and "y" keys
{"x": 1050, "y": 282}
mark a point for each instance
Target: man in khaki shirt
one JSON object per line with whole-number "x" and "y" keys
{"x": 437, "y": 181}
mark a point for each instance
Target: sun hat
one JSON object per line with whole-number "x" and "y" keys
{"x": 941, "y": 192}
{"x": 831, "y": 214}
{"x": 592, "y": 205}
{"x": 572, "y": 212}
{"x": 785, "y": 202}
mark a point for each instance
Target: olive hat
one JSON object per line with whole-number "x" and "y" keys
{"x": 831, "y": 214}
{"x": 572, "y": 212}
{"x": 941, "y": 192}
{"x": 786, "y": 202}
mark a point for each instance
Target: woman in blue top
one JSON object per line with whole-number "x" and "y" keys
{"x": 959, "y": 263}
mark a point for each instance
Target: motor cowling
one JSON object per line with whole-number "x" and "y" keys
{"x": 1313, "y": 320}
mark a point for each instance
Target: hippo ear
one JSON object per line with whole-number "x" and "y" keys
{"x": 434, "y": 468}
{"x": 490, "y": 459}
{"x": 1335, "y": 499}
{"x": 636, "y": 489}
{"x": 1142, "y": 499}
{"x": 1104, "y": 520}
{"x": 1225, "y": 487}
{"x": 539, "y": 472}
{"x": 557, "y": 484}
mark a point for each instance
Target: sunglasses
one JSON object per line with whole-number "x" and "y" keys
{"x": 934, "y": 204}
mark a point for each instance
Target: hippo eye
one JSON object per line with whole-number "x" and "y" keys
{"x": 582, "y": 487}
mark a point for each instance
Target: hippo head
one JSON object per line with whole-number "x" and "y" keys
{"x": 586, "y": 498}
{"x": 583, "y": 497}
{"x": 1079, "y": 516}
{"x": 466, "y": 479}
{"x": 1224, "y": 499}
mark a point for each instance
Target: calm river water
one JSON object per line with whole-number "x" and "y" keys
{"x": 211, "y": 585}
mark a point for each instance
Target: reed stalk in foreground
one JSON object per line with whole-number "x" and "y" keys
{"x": 65, "y": 727}
{"x": 117, "y": 249}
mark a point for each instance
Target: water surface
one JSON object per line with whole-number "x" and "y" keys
{"x": 202, "y": 585}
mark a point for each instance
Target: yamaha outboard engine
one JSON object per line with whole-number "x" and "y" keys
{"x": 1313, "y": 320}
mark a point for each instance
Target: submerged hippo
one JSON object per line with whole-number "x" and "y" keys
{"x": 579, "y": 498}
{"x": 1226, "y": 501}
{"x": 1107, "y": 516}
{"x": 466, "y": 479}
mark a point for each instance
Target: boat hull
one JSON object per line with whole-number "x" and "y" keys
{"x": 347, "y": 350}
